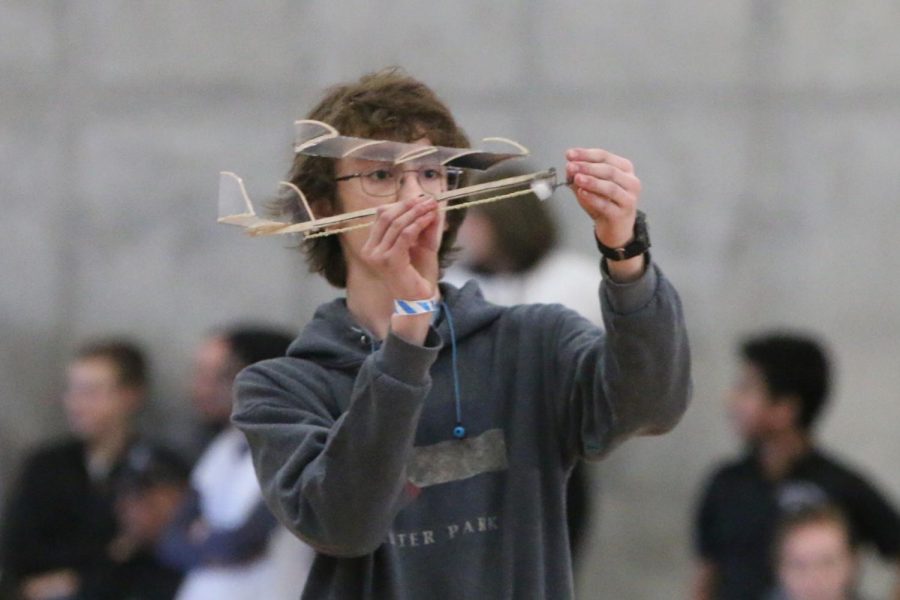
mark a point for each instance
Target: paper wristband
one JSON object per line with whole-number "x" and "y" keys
{"x": 414, "y": 307}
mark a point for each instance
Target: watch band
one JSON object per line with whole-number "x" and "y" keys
{"x": 640, "y": 242}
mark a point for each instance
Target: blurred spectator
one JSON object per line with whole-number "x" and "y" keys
{"x": 510, "y": 248}
{"x": 151, "y": 487}
{"x": 59, "y": 520}
{"x": 816, "y": 556}
{"x": 223, "y": 536}
{"x": 214, "y": 368}
{"x": 775, "y": 403}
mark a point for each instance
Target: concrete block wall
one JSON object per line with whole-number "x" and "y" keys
{"x": 764, "y": 133}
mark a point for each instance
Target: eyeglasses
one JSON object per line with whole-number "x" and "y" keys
{"x": 385, "y": 181}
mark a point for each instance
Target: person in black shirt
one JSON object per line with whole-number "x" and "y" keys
{"x": 781, "y": 391}
{"x": 152, "y": 485}
{"x": 59, "y": 519}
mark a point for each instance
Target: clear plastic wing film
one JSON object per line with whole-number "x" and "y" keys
{"x": 314, "y": 138}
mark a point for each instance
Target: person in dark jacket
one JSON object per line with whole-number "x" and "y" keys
{"x": 59, "y": 520}
{"x": 153, "y": 483}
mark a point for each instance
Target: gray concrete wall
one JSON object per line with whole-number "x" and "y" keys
{"x": 765, "y": 133}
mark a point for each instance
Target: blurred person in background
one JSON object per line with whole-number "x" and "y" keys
{"x": 152, "y": 485}
{"x": 212, "y": 375}
{"x": 511, "y": 249}
{"x": 223, "y": 535}
{"x": 816, "y": 556}
{"x": 59, "y": 521}
{"x": 775, "y": 403}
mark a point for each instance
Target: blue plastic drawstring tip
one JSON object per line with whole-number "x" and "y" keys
{"x": 459, "y": 432}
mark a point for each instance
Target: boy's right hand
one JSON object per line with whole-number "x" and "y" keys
{"x": 403, "y": 245}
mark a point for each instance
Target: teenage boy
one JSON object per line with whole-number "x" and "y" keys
{"x": 776, "y": 401}
{"x": 426, "y": 454}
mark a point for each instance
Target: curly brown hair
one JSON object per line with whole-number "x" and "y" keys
{"x": 389, "y": 105}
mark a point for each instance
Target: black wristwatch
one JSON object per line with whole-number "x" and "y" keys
{"x": 639, "y": 243}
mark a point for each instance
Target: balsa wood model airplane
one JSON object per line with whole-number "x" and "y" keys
{"x": 315, "y": 138}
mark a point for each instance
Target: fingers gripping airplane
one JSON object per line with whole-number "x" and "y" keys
{"x": 315, "y": 138}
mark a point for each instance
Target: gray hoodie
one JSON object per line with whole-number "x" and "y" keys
{"x": 354, "y": 448}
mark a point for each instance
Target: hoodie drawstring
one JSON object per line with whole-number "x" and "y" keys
{"x": 459, "y": 432}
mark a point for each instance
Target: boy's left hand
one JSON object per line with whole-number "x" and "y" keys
{"x": 608, "y": 191}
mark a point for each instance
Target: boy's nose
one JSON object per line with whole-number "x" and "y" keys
{"x": 410, "y": 187}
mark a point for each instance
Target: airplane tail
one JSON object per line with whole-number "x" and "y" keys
{"x": 236, "y": 208}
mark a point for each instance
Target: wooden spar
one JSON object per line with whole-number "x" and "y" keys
{"x": 445, "y": 198}
{"x": 316, "y": 138}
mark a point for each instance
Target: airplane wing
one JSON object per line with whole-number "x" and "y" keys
{"x": 315, "y": 138}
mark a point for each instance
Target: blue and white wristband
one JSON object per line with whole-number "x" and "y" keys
{"x": 415, "y": 307}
